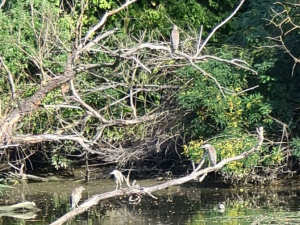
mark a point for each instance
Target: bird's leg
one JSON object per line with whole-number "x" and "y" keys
{"x": 200, "y": 165}
{"x": 127, "y": 180}
{"x": 120, "y": 185}
{"x": 193, "y": 165}
{"x": 208, "y": 159}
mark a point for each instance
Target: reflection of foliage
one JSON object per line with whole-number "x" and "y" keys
{"x": 244, "y": 213}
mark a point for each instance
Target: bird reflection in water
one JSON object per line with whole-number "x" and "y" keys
{"x": 221, "y": 207}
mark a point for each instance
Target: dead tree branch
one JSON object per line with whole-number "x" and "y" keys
{"x": 2, "y": 4}
{"x": 218, "y": 26}
{"x": 284, "y": 22}
{"x": 123, "y": 107}
{"x": 147, "y": 191}
{"x": 10, "y": 77}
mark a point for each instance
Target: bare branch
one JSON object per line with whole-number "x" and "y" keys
{"x": 210, "y": 76}
{"x": 240, "y": 92}
{"x": 2, "y": 4}
{"x": 284, "y": 18}
{"x": 152, "y": 46}
{"x": 135, "y": 88}
{"x": 78, "y": 99}
{"x": 88, "y": 46}
{"x": 220, "y": 25}
{"x": 10, "y": 77}
{"x": 200, "y": 40}
{"x": 85, "y": 144}
{"x": 103, "y": 20}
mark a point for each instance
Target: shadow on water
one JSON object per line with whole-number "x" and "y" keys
{"x": 186, "y": 204}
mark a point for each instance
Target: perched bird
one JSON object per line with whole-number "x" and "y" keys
{"x": 175, "y": 38}
{"x": 76, "y": 196}
{"x": 119, "y": 178}
{"x": 211, "y": 152}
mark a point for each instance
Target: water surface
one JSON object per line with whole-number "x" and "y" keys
{"x": 186, "y": 204}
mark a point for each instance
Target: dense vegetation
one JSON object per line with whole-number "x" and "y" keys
{"x": 186, "y": 106}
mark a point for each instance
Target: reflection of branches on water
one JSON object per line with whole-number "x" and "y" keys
{"x": 147, "y": 191}
{"x": 264, "y": 198}
{"x": 123, "y": 212}
{"x": 115, "y": 210}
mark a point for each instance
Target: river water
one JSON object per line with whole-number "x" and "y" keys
{"x": 191, "y": 203}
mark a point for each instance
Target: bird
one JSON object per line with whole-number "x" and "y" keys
{"x": 211, "y": 152}
{"x": 221, "y": 207}
{"x": 119, "y": 178}
{"x": 175, "y": 38}
{"x": 76, "y": 196}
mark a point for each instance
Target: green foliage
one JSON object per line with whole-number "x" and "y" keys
{"x": 212, "y": 113}
{"x": 60, "y": 162}
{"x": 295, "y": 144}
{"x": 226, "y": 147}
{"x": 276, "y": 82}
{"x": 274, "y": 157}
{"x": 277, "y": 95}
{"x": 231, "y": 145}
{"x": 27, "y": 32}
{"x": 158, "y": 15}
{"x": 30, "y": 39}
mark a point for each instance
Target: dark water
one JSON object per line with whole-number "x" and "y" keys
{"x": 186, "y": 204}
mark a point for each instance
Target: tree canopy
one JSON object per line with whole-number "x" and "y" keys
{"x": 96, "y": 82}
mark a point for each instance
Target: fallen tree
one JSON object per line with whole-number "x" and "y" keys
{"x": 135, "y": 191}
{"x": 128, "y": 125}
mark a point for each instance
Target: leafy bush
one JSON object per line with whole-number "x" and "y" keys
{"x": 295, "y": 144}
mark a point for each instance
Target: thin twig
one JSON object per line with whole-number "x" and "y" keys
{"x": 10, "y": 77}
